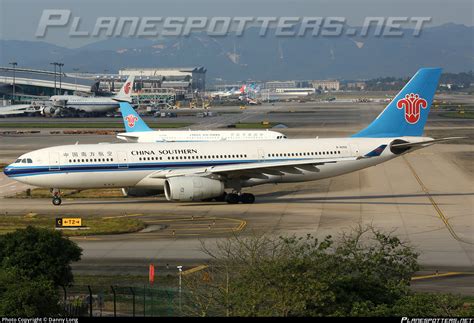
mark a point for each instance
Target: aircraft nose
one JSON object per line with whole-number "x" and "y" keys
{"x": 8, "y": 170}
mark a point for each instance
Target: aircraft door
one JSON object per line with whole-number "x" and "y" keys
{"x": 260, "y": 154}
{"x": 54, "y": 163}
{"x": 122, "y": 159}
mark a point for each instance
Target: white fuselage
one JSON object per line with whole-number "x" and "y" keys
{"x": 134, "y": 164}
{"x": 199, "y": 135}
{"x": 87, "y": 104}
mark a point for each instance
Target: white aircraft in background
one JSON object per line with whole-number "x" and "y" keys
{"x": 191, "y": 171}
{"x": 230, "y": 93}
{"x": 138, "y": 131}
{"x": 74, "y": 104}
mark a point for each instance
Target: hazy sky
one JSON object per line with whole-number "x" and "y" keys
{"x": 19, "y": 18}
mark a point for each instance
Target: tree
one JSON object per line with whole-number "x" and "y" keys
{"x": 22, "y": 297}
{"x": 38, "y": 254}
{"x": 366, "y": 272}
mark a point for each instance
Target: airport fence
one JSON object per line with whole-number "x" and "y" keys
{"x": 115, "y": 301}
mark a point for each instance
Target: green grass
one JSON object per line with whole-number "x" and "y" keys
{"x": 97, "y": 225}
{"x": 253, "y": 125}
{"x": 84, "y": 125}
{"x": 457, "y": 115}
{"x": 90, "y": 193}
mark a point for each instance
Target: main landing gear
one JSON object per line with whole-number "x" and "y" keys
{"x": 56, "y": 196}
{"x": 234, "y": 198}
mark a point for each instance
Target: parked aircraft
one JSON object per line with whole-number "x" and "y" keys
{"x": 79, "y": 105}
{"x": 138, "y": 131}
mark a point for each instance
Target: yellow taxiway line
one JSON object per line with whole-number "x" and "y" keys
{"x": 193, "y": 270}
{"x": 435, "y": 205}
{"x": 453, "y": 273}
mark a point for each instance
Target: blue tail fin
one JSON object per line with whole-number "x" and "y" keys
{"x": 407, "y": 113}
{"x": 131, "y": 119}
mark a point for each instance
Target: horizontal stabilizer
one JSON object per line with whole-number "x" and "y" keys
{"x": 425, "y": 143}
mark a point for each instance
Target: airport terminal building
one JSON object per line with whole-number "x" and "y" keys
{"x": 154, "y": 84}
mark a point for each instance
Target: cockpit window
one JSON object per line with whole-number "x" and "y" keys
{"x": 23, "y": 161}
{"x": 29, "y": 161}
{"x": 18, "y": 161}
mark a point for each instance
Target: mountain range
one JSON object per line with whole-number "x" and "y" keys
{"x": 250, "y": 56}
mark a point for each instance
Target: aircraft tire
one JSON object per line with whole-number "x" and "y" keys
{"x": 247, "y": 198}
{"x": 57, "y": 201}
{"x": 232, "y": 198}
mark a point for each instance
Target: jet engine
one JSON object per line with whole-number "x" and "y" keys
{"x": 192, "y": 188}
{"x": 139, "y": 192}
{"x": 49, "y": 111}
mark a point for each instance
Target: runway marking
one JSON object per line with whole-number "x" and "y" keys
{"x": 189, "y": 231}
{"x": 436, "y": 207}
{"x": 122, "y": 216}
{"x": 193, "y": 270}
{"x": 448, "y": 274}
{"x": 9, "y": 184}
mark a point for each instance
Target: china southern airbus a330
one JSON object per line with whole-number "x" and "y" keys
{"x": 190, "y": 171}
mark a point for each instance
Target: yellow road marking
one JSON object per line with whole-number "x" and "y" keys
{"x": 84, "y": 238}
{"x": 454, "y": 273}
{"x": 436, "y": 207}
{"x": 193, "y": 270}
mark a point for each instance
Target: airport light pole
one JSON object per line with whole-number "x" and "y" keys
{"x": 60, "y": 75}
{"x": 13, "y": 64}
{"x": 75, "y": 77}
{"x": 55, "y": 64}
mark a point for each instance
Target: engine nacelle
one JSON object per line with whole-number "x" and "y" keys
{"x": 49, "y": 111}
{"x": 139, "y": 192}
{"x": 192, "y": 188}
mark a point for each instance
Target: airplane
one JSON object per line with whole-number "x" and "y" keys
{"x": 138, "y": 131}
{"x": 230, "y": 93}
{"x": 220, "y": 170}
{"x": 74, "y": 104}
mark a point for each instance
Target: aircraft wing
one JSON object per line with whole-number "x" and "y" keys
{"x": 253, "y": 170}
{"x": 15, "y": 109}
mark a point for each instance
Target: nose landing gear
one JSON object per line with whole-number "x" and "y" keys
{"x": 56, "y": 196}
